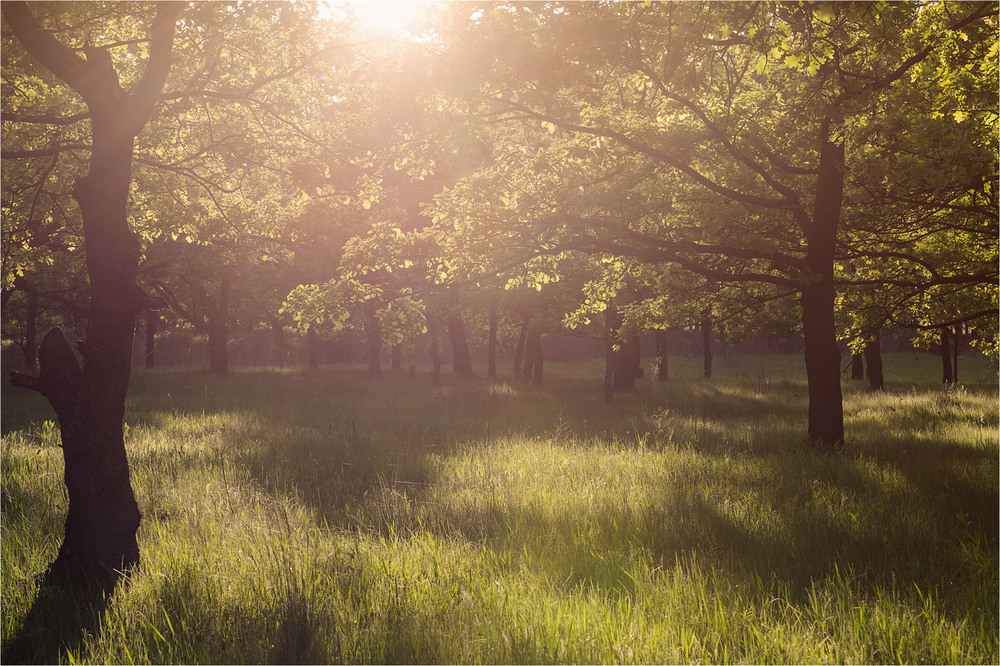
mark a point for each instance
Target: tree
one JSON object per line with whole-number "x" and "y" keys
{"x": 89, "y": 400}
{"x": 745, "y": 109}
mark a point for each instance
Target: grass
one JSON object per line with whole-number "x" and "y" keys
{"x": 316, "y": 516}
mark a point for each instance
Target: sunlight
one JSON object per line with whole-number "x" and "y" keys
{"x": 386, "y": 18}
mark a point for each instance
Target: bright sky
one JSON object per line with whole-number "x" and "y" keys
{"x": 385, "y": 18}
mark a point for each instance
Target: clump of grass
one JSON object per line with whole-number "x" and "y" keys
{"x": 297, "y": 517}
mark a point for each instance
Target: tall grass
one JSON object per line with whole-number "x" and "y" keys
{"x": 317, "y": 516}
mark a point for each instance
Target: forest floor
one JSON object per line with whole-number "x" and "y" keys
{"x": 297, "y": 516}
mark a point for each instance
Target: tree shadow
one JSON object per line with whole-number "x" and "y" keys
{"x": 62, "y": 616}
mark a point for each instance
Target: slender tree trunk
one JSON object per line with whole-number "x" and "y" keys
{"x": 529, "y": 357}
{"x": 954, "y": 365}
{"x": 31, "y": 333}
{"x": 278, "y": 339}
{"x": 822, "y": 357}
{"x": 397, "y": 359}
{"x": 706, "y": 342}
{"x": 461, "y": 360}
{"x": 857, "y": 366}
{"x": 519, "y": 352}
{"x": 432, "y": 334}
{"x": 610, "y": 323}
{"x": 152, "y": 323}
{"x": 873, "y": 361}
{"x": 373, "y": 336}
{"x": 661, "y": 355}
{"x": 949, "y": 375}
{"x": 218, "y": 332}
{"x": 491, "y": 351}
{"x": 312, "y": 347}
{"x": 537, "y": 357}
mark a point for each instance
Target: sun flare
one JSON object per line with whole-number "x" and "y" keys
{"x": 385, "y": 18}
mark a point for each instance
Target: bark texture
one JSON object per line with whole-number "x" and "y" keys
{"x": 822, "y": 357}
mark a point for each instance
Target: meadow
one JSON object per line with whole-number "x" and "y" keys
{"x": 298, "y": 516}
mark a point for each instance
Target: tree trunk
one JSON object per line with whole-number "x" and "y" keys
{"x": 873, "y": 361}
{"x": 397, "y": 359}
{"x": 461, "y": 360}
{"x": 218, "y": 332}
{"x": 432, "y": 331}
{"x": 373, "y": 336}
{"x": 954, "y": 365}
{"x": 661, "y": 355}
{"x": 537, "y": 358}
{"x": 519, "y": 352}
{"x": 491, "y": 351}
{"x": 529, "y": 358}
{"x": 31, "y": 333}
{"x": 822, "y": 357}
{"x": 624, "y": 353}
{"x": 610, "y": 322}
{"x": 152, "y": 323}
{"x": 89, "y": 401}
{"x": 278, "y": 338}
{"x": 312, "y": 347}
{"x": 706, "y": 342}
{"x": 949, "y": 375}
{"x": 857, "y": 366}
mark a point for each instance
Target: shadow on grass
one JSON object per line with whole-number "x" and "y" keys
{"x": 60, "y": 619}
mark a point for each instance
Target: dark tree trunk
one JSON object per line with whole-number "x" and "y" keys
{"x": 529, "y": 358}
{"x": 461, "y": 360}
{"x": 706, "y": 342}
{"x": 954, "y": 365}
{"x": 610, "y": 322}
{"x": 625, "y": 353}
{"x": 312, "y": 347}
{"x": 949, "y": 375}
{"x": 373, "y": 337}
{"x": 491, "y": 362}
{"x": 822, "y": 357}
{"x": 626, "y": 369}
{"x": 397, "y": 359}
{"x": 537, "y": 358}
{"x": 152, "y": 323}
{"x": 432, "y": 334}
{"x": 31, "y": 333}
{"x": 857, "y": 366}
{"x": 661, "y": 356}
{"x": 89, "y": 401}
{"x": 519, "y": 352}
{"x": 278, "y": 338}
{"x": 873, "y": 361}
{"x": 218, "y": 332}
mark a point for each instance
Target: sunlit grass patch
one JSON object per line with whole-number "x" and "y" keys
{"x": 319, "y": 516}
